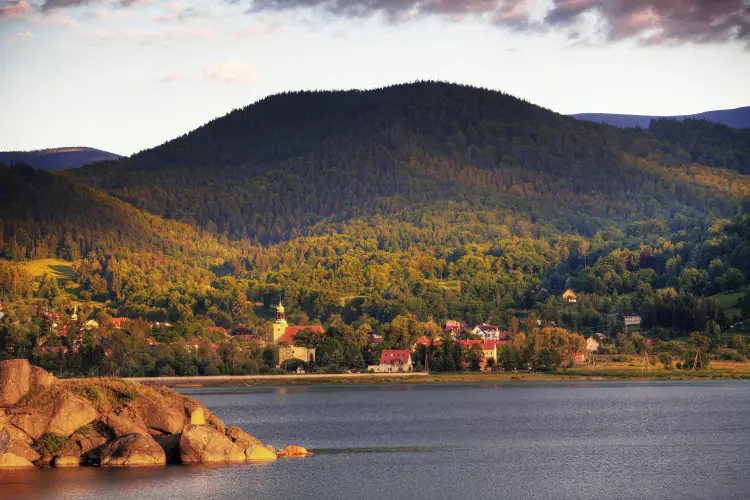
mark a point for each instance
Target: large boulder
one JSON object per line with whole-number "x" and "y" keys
{"x": 70, "y": 413}
{"x": 259, "y": 454}
{"x": 18, "y": 377}
{"x": 125, "y": 423}
{"x": 295, "y": 451}
{"x": 196, "y": 415}
{"x": 8, "y": 444}
{"x": 11, "y": 461}
{"x": 14, "y": 431}
{"x": 66, "y": 460}
{"x": 41, "y": 378}
{"x": 33, "y": 422}
{"x": 242, "y": 438}
{"x": 163, "y": 418}
{"x": 205, "y": 444}
{"x": 132, "y": 450}
{"x": 15, "y": 375}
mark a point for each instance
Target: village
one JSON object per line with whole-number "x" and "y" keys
{"x": 482, "y": 347}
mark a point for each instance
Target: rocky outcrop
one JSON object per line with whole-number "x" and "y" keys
{"x": 70, "y": 413}
{"x": 18, "y": 377}
{"x": 132, "y": 450}
{"x": 114, "y": 423}
{"x": 204, "y": 444}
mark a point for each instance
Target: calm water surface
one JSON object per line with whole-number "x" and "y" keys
{"x": 602, "y": 440}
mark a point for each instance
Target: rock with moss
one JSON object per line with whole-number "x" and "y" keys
{"x": 112, "y": 422}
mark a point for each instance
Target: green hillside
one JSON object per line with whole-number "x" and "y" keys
{"x": 413, "y": 201}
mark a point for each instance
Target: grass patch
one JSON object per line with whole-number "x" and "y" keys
{"x": 57, "y": 268}
{"x": 728, "y": 302}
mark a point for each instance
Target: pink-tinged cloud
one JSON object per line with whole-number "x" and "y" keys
{"x": 20, "y": 37}
{"x": 667, "y": 21}
{"x": 14, "y": 9}
{"x": 230, "y": 73}
{"x": 661, "y": 21}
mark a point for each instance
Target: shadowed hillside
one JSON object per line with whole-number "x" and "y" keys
{"x": 57, "y": 158}
{"x": 734, "y": 118}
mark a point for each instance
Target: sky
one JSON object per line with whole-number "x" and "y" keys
{"x": 128, "y": 75}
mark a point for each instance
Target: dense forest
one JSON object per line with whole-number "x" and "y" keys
{"x": 411, "y": 205}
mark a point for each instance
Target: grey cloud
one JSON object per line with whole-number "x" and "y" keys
{"x": 660, "y": 21}
{"x": 61, "y": 4}
{"x": 650, "y": 21}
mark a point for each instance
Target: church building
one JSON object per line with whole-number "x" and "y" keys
{"x": 286, "y": 337}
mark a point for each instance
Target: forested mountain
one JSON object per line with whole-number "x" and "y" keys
{"x": 413, "y": 201}
{"x": 277, "y": 168}
{"x": 57, "y": 158}
{"x": 734, "y": 118}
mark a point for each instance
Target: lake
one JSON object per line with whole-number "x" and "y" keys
{"x": 580, "y": 440}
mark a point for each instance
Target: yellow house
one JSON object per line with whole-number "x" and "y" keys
{"x": 591, "y": 344}
{"x": 569, "y": 296}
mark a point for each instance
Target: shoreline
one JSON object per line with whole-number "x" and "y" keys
{"x": 433, "y": 378}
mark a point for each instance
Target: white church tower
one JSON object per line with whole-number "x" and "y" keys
{"x": 279, "y": 327}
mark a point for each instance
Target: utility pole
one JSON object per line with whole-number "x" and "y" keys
{"x": 697, "y": 357}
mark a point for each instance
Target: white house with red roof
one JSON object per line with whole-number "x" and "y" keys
{"x": 393, "y": 361}
{"x": 489, "y": 332}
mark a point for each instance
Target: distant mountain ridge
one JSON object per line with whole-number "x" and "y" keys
{"x": 734, "y": 118}
{"x": 58, "y": 158}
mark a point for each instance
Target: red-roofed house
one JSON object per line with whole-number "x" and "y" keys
{"x": 489, "y": 332}
{"x": 393, "y": 360}
{"x": 218, "y": 329}
{"x": 119, "y": 322}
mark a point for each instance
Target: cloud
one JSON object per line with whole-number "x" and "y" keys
{"x": 173, "y": 77}
{"x": 230, "y": 73}
{"x": 178, "y": 11}
{"x": 660, "y": 21}
{"x": 62, "y": 4}
{"x": 20, "y": 37}
{"x": 161, "y": 37}
{"x": 649, "y": 21}
{"x": 14, "y": 9}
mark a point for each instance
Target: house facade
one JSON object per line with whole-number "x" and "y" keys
{"x": 393, "y": 361}
{"x": 489, "y": 332}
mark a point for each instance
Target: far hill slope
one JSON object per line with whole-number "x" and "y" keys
{"x": 57, "y": 158}
{"x": 44, "y": 215}
{"x": 734, "y": 118}
{"x": 296, "y": 163}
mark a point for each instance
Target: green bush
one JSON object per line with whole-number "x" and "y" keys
{"x": 50, "y": 444}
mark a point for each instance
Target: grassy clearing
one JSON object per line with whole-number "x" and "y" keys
{"x": 728, "y": 302}
{"x": 57, "y": 268}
